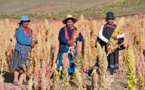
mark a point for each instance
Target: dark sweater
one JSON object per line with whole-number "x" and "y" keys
{"x": 63, "y": 41}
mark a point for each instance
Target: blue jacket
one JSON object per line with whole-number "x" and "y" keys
{"x": 63, "y": 41}
{"x": 20, "y": 37}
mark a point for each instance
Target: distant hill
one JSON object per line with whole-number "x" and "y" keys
{"x": 32, "y": 6}
{"x": 57, "y": 9}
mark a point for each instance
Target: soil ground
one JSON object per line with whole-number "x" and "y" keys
{"x": 118, "y": 84}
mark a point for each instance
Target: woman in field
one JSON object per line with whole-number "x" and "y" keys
{"x": 22, "y": 48}
{"x": 105, "y": 35}
{"x": 66, "y": 40}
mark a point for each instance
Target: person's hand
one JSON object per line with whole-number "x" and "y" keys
{"x": 108, "y": 43}
{"x": 70, "y": 43}
{"x": 32, "y": 45}
{"x": 115, "y": 37}
{"x": 74, "y": 40}
{"x": 35, "y": 42}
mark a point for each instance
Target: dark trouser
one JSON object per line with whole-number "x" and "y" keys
{"x": 113, "y": 62}
{"x": 112, "y": 58}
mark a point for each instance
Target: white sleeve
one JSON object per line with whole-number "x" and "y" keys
{"x": 101, "y": 35}
{"x": 120, "y": 36}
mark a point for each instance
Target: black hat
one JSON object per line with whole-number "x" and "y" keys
{"x": 110, "y": 15}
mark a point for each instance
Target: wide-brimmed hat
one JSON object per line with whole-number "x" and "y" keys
{"x": 69, "y": 17}
{"x": 24, "y": 18}
{"x": 110, "y": 15}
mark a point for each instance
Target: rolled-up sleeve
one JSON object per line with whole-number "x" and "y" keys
{"x": 120, "y": 36}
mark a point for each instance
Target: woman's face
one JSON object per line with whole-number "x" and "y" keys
{"x": 70, "y": 23}
{"x": 25, "y": 24}
{"x": 110, "y": 21}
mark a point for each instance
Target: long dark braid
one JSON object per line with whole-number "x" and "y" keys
{"x": 20, "y": 23}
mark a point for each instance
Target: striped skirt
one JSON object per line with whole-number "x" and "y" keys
{"x": 15, "y": 60}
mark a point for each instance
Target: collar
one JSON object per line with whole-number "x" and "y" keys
{"x": 71, "y": 28}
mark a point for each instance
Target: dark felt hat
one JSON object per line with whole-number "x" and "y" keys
{"x": 110, "y": 15}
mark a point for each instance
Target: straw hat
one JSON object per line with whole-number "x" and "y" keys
{"x": 69, "y": 17}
